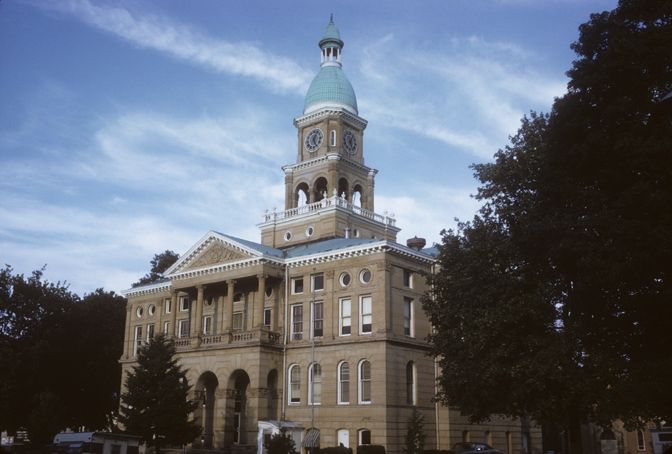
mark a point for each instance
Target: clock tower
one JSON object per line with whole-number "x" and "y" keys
{"x": 329, "y": 191}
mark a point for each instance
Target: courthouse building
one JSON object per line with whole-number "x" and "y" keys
{"x": 319, "y": 326}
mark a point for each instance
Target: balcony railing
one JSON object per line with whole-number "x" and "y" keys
{"x": 327, "y": 203}
{"x": 262, "y": 335}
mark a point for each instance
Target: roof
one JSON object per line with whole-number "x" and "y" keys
{"x": 331, "y": 34}
{"x": 266, "y": 250}
{"x": 331, "y": 88}
{"x": 333, "y": 244}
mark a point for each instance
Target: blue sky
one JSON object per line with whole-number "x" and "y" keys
{"x": 131, "y": 127}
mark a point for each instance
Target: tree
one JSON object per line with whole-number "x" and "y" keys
{"x": 554, "y": 301}
{"x": 60, "y": 356}
{"x": 280, "y": 443}
{"x": 155, "y": 404}
{"x": 160, "y": 263}
{"x": 415, "y": 434}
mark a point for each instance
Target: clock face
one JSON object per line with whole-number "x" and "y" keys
{"x": 314, "y": 139}
{"x": 349, "y": 142}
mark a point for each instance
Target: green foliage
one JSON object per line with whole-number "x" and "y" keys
{"x": 155, "y": 404}
{"x": 160, "y": 263}
{"x": 415, "y": 434}
{"x": 370, "y": 449}
{"x": 554, "y": 302}
{"x": 335, "y": 450}
{"x": 60, "y": 355}
{"x": 280, "y": 443}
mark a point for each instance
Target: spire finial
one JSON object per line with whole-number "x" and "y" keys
{"x": 331, "y": 18}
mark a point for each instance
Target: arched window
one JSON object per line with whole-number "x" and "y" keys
{"x": 332, "y": 137}
{"x": 320, "y": 189}
{"x": 343, "y": 390}
{"x": 410, "y": 383}
{"x": 294, "y": 373}
{"x": 314, "y": 384}
{"x": 364, "y": 388}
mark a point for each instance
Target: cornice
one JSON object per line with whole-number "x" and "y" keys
{"x": 330, "y": 112}
{"x": 289, "y": 168}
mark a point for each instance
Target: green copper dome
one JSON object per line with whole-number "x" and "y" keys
{"x": 330, "y": 87}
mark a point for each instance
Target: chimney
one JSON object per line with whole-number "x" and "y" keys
{"x": 416, "y": 243}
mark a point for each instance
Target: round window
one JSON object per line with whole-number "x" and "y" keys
{"x": 309, "y": 231}
{"x": 288, "y": 236}
{"x": 365, "y": 276}
{"x": 151, "y": 309}
{"x": 269, "y": 290}
{"x": 139, "y": 311}
{"x": 209, "y": 301}
{"x": 344, "y": 279}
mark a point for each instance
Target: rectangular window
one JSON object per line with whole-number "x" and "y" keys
{"x": 237, "y": 321}
{"x": 318, "y": 319}
{"x": 317, "y": 282}
{"x": 150, "y": 331}
{"x": 167, "y": 303}
{"x": 137, "y": 339}
{"x": 332, "y": 137}
{"x": 268, "y": 312}
{"x": 297, "y": 285}
{"x": 408, "y": 279}
{"x": 184, "y": 303}
{"x": 297, "y": 322}
{"x": 641, "y": 444}
{"x": 365, "y": 315}
{"x": 408, "y": 317}
{"x": 207, "y": 324}
{"x": 183, "y": 328}
{"x": 364, "y": 437}
{"x": 166, "y": 329}
{"x": 345, "y": 318}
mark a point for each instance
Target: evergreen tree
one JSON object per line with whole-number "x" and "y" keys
{"x": 415, "y": 434}
{"x": 155, "y": 405}
{"x": 280, "y": 443}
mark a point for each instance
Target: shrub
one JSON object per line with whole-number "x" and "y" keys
{"x": 370, "y": 449}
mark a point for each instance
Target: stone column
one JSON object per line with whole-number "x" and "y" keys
{"x": 388, "y": 304}
{"x": 230, "y": 288}
{"x": 259, "y": 303}
{"x": 173, "y": 313}
{"x": 198, "y": 314}
{"x": 221, "y": 327}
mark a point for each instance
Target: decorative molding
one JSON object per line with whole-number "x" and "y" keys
{"x": 216, "y": 252}
{"x": 322, "y": 113}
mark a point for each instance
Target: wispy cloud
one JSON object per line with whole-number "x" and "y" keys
{"x": 449, "y": 95}
{"x": 189, "y": 44}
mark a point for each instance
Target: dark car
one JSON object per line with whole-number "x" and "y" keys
{"x": 468, "y": 447}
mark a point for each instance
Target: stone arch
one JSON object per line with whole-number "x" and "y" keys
{"x": 301, "y": 194}
{"x": 206, "y": 387}
{"x": 343, "y": 187}
{"x": 357, "y": 194}
{"x": 237, "y": 423}
{"x": 272, "y": 386}
{"x": 320, "y": 189}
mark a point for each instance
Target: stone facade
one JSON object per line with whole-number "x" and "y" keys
{"x": 320, "y": 324}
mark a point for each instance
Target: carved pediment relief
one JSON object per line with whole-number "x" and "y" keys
{"x": 216, "y": 253}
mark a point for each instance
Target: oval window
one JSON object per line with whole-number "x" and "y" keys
{"x": 139, "y": 312}
{"x": 344, "y": 279}
{"x": 365, "y": 276}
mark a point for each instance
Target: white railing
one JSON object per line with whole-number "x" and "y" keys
{"x": 326, "y": 203}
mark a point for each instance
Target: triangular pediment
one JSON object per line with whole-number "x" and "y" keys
{"x": 214, "y": 254}
{"x": 213, "y": 249}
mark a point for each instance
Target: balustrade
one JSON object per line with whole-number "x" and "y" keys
{"x": 329, "y": 202}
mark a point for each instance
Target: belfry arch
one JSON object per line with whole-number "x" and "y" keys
{"x": 320, "y": 189}
{"x": 343, "y": 187}
{"x": 301, "y": 195}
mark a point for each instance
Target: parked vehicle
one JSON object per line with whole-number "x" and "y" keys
{"x": 468, "y": 447}
{"x": 95, "y": 443}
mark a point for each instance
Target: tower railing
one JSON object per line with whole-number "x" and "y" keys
{"x": 329, "y": 203}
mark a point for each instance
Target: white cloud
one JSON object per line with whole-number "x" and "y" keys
{"x": 186, "y": 43}
{"x": 470, "y": 95}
